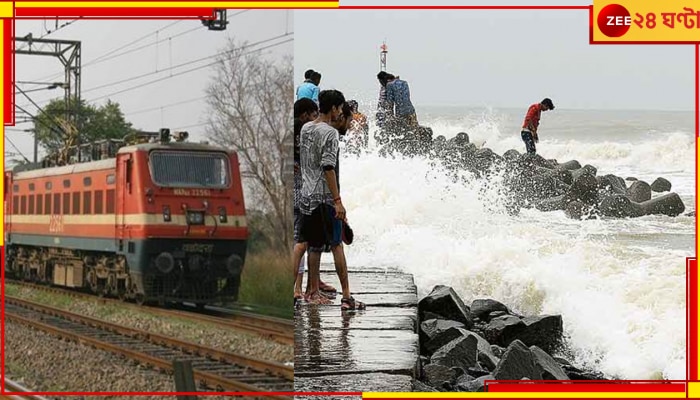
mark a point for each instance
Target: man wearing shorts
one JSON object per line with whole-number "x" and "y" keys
{"x": 305, "y": 110}
{"x": 320, "y": 203}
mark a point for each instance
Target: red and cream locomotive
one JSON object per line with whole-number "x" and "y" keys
{"x": 157, "y": 221}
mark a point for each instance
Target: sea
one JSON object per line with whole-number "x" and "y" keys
{"x": 619, "y": 284}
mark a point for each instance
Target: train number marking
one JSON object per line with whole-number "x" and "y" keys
{"x": 56, "y": 224}
{"x": 192, "y": 192}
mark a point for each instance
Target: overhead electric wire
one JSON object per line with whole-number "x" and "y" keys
{"x": 165, "y": 106}
{"x": 205, "y": 58}
{"x": 16, "y": 148}
{"x": 184, "y": 72}
{"x": 95, "y": 60}
{"x": 142, "y": 47}
{"x": 42, "y": 110}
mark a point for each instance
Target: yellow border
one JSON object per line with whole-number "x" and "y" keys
{"x": 188, "y": 4}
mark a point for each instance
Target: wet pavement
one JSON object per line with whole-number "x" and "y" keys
{"x": 373, "y": 350}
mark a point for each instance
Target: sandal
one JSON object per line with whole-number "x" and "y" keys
{"x": 350, "y": 304}
{"x": 317, "y": 298}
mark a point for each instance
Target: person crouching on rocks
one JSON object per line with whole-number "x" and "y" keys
{"x": 532, "y": 122}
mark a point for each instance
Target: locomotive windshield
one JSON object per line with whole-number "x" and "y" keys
{"x": 190, "y": 169}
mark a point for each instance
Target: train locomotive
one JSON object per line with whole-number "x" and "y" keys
{"x": 157, "y": 221}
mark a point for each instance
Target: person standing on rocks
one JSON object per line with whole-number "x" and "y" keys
{"x": 532, "y": 122}
{"x": 320, "y": 203}
{"x": 399, "y": 106}
{"x": 381, "y": 105}
{"x": 309, "y": 89}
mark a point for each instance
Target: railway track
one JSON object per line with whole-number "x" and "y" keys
{"x": 213, "y": 369}
{"x": 14, "y": 387}
{"x": 277, "y": 329}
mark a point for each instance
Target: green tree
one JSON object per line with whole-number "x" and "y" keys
{"x": 93, "y": 123}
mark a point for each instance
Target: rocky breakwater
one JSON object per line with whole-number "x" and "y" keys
{"x": 548, "y": 185}
{"x": 462, "y": 346}
{"x": 579, "y": 191}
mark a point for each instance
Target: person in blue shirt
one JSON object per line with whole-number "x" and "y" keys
{"x": 309, "y": 89}
{"x": 398, "y": 102}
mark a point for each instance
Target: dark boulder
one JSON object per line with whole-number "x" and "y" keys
{"x": 661, "y": 185}
{"x": 551, "y": 204}
{"x": 639, "y": 191}
{"x": 473, "y": 385}
{"x": 481, "y": 308}
{"x": 502, "y": 330}
{"x": 495, "y": 314}
{"x": 443, "y": 301}
{"x": 460, "y": 353}
{"x": 435, "y": 375}
{"x": 584, "y": 189}
{"x": 485, "y": 355}
{"x": 550, "y": 368}
{"x": 435, "y": 333}
{"x": 669, "y": 204}
{"x": 535, "y": 160}
{"x": 611, "y": 184}
{"x": 544, "y": 331}
{"x": 569, "y": 165}
{"x": 563, "y": 175}
{"x": 589, "y": 169}
{"x": 619, "y": 206}
{"x": 517, "y": 363}
{"x": 511, "y": 155}
{"x": 462, "y": 138}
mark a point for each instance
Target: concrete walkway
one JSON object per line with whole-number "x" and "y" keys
{"x": 374, "y": 350}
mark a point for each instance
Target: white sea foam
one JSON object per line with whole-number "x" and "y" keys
{"x": 620, "y": 285}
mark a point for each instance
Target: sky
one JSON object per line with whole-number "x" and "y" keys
{"x": 152, "y": 50}
{"x": 490, "y": 58}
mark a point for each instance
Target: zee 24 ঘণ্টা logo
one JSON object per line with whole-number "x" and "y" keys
{"x": 615, "y": 20}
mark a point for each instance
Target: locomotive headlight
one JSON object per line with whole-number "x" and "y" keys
{"x": 234, "y": 265}
{"x": 166, "y": 214}
{"x": 222, "y": 215}
{"x": 195, "y": 217}
{"x": 165, "y": 263}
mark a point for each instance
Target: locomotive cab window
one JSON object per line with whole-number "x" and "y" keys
{"x": 190, "y": 169}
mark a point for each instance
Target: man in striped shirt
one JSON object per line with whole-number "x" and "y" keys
{"x": 532, "y": 122}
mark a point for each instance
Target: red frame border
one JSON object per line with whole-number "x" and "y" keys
{"x": 502, "y": 386}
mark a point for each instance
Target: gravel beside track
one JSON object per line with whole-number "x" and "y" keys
{"x": 46, "y": 363}
{"x": 194, "y": 331}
